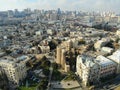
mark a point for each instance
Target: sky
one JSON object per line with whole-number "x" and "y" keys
{"x": 79, "y": 5}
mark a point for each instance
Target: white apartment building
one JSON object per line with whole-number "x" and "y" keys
{"x": 107, "y": 67}
{"x": 101, "y": 43}
{"x": 39, "y": 33}
{"x": 118, "y": 33}
{"x": 116, "y": 58}
{"x": 50, "y": 32}
{"x": 91, "y": 70}
{"x": 87, "y": 69}
{"x": 14, "y": 69}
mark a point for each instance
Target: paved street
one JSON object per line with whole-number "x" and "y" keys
{"x": 51, "y": 59}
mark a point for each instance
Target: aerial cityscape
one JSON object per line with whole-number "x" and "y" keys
{"x": 59, "y": 45}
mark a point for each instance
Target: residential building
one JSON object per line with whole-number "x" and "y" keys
{"x": 4, "y": 85}
{"x": 61, "y": 56}
{"x": 118, "y": 33}
{"x": 116, "y": 58}
{"x": 101, "y": 43}
{"x": 15, "y": 70}
{"x": 44, "y": 49}
{"x": 87, "y": 69}
{"x": 50, "y": 32}
{"x": 106, "y": 66}
{"x": 92, "y": 70}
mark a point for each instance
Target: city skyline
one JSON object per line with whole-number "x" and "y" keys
{"x": 79, "y": 5}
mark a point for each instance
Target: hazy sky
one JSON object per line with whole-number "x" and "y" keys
{"x": 88, "y": 5}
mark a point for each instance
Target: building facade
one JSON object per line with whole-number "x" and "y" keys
{"x": 106, "y": 66}
{"x": 4, "y": 85}
{"x": 115, "y": 57}
{"x": 87, "y": 69}
{"x": 92, "y": 70}
{"x": 14, "y": 70}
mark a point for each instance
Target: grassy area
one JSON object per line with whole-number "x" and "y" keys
{"x": 31, "y": 86}
{"x": 70, "y": 76}
{"x": 57, "y": 75}
{"x": 27, "y": 88}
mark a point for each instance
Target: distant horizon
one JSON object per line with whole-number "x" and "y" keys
{"x": 64, "y": 5}
{"x": 20, "y": 10}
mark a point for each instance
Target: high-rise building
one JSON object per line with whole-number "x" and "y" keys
{"x": 63, "y": 58}
{"x": 61, "y": 54}
{"x": 61, "y": 51}
{"x": 10, "y": 13}
{"x": 59, "y": 11}
{"x": 27, "y": 11}
{"x": 58, "y": 14}
{"x": 53, "y": 16}
{"x": 16, "y": 12}
{"x": 58, "y": 59}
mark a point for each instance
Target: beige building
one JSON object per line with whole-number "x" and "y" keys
{"x": 61, "y": 56}
{"x": 67, "y": 68}
{"x": 58, "y": 55}
{"x": 44, "y": 49}
{"x": 62, "y": 50}
{"x": 101, "y": 43}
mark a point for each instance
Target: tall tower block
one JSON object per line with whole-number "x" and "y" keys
{"x": 63, "y": 51}
{"x": 58, "y": 59}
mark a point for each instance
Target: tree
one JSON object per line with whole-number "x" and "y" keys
{"x": 46, "y": 63}
{"x": 53, "y": 44}
{"x": 81, "y": 42}
{"x": 46, "y": 71}
{"x": 8, "y": 51}
{"x": 56, "y": 75}
{"x": 44, "y": 58}
{"x": 11, "y": 37}
{"x": 55, "y": 65}
{"x": 43, "y": 84}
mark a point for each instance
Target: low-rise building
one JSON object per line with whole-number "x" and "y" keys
{"x": 107, "y": 50}
{"x": 50, "y": 32}
{"x": 38, "y": 33}
{"x": 101, "y": 43}
{"x": 44, "y": 49}
{"x": 118, "y": 33}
